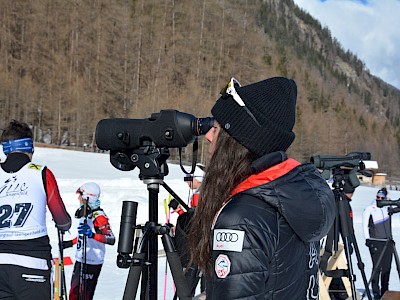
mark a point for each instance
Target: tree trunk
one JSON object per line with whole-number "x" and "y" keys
{"x": 200, "y": 40}
{"x": 221, "y": 47}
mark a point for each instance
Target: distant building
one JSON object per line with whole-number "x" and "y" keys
{"x": 379, "y": 179}
{"x": 370, "y": 174}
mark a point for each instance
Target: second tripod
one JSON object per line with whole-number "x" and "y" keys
{"x": 343, "y": 226}
{"x": 344, "y": 171}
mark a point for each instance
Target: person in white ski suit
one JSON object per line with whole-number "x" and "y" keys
{"x": 94, "y": 227}
{"x": 377, "y": 230}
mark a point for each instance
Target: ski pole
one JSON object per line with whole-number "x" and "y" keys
{"x": 82, "y": 273}
{"x": 63, "y": 289}
{"x": 167, "y": 218}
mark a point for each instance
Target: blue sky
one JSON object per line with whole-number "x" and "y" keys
{"x": 368, "y": 28}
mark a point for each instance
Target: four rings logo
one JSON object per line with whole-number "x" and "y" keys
{"x": 228, "y": 240}
{"x": 227, "y": 237}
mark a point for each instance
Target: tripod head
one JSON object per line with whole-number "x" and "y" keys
{"x": 150, "y": 160}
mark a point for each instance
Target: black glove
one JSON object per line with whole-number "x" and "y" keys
{"x": 173, "y": 204}
{"x": 170, "y": 225}
{"x": 67, "y": 244}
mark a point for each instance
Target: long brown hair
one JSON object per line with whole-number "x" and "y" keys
{"x": 229, "y": 165}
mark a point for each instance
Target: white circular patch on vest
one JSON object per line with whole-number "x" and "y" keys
{"x": 222, "y": 266}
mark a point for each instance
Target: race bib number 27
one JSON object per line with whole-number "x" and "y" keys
{"x": 14, "y": 217}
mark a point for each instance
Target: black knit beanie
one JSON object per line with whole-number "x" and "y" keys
{"x": 272, "y": 102}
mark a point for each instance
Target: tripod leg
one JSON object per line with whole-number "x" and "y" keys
{"x": 377, "y": 267}
{"x": 361, "y": 267}
{"x": 144, "y": 289}
{"x": 396, "y": 257}
{"x": 132, "y": 281}
{"x": 346, "y": 229}
{"x": 174, "y": 261}
{"x": 351, "y": 276}
{"x": 139, "y": 261}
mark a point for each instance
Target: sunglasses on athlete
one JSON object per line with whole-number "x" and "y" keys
{"x": 230, "y": 90}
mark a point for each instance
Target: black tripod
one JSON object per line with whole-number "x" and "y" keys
{"x": 389, "y": 244}
{"x": 145, "y": 253}
{"x": 343, "y": 226}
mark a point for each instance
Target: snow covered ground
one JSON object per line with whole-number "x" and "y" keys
{"x": 73, "y": 168}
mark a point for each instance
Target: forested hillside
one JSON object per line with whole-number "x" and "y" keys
{"x": 64, "y": 65}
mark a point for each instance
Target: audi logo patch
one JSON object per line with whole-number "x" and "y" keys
{"x": 228, "y": 240}
{"x": 227, "y": 237}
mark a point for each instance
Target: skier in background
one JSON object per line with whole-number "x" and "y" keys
{"x": 194, "y": 182}
{"x": 26, "y": 189}
{"x": 377, "y": 230}
{"x": 98, "y": 232}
